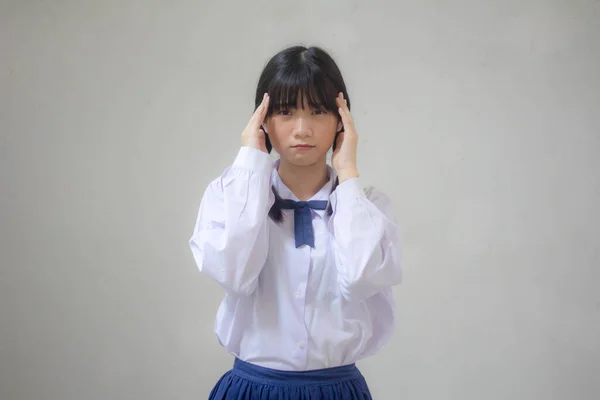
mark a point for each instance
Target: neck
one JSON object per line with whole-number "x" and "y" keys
{"x": 303, "y": 181}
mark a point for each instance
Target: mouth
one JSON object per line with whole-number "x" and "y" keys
{"x": 303, "y": 147}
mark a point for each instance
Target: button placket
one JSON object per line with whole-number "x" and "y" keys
{"x": 300, "y": 295}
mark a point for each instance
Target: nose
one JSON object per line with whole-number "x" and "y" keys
{"x": 302, "y": 127}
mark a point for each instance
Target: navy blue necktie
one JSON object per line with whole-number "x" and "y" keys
{"x": 303, "y": 229}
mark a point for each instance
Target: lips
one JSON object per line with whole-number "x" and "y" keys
{"x": 303, "y": 147}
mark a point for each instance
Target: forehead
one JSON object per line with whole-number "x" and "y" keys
{"x": 301, "y": 99}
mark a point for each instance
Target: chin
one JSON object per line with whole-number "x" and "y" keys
{"x": 302, "y": 161}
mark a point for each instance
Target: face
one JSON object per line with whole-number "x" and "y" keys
{"x": 302, "y": 136}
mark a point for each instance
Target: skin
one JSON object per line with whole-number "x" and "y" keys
{"x": 302, "y": 137}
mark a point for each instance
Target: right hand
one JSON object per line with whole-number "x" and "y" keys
{"x": 254, "y": 135}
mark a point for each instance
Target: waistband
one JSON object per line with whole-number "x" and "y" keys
{"x": 292, "y": 378}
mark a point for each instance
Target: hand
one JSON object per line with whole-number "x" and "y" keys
{"x": 254, "y": 135}
{"x": 344, "y": 155}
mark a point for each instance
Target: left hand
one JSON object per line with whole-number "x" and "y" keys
{"x": 344, "y": 155}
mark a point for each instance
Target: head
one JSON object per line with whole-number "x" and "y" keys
{"x": 302, "y": 122}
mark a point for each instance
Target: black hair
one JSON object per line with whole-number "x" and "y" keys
{"x": 306, "y": 71}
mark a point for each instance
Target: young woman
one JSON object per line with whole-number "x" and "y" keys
{"x": 306, "y": 257}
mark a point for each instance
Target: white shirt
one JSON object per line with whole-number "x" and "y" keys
{"x": 303, "y": 308}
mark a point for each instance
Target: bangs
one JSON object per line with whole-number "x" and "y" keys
{"x": 306, "y": 81}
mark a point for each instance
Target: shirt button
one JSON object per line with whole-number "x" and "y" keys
{"x": 300, "y": 344}
{"x": 298, "y": 293}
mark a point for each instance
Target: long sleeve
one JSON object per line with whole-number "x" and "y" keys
{"x": 230, "y": 238}
{"x": 366, "y": 241}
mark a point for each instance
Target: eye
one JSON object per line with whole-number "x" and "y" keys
{"x": 319, "y": 111}
{"x": 284, "y": 111}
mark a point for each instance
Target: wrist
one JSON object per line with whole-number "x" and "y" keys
{"x": 348, "y": 173}
{"x": 255, "y": 145}
{"x": 252, "y": 159}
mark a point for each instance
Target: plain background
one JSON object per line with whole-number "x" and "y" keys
{"x": 480, "y": 119}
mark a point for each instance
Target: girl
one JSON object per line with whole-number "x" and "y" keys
{"x": 305, "y": 256}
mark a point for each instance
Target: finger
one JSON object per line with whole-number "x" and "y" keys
{"x": 264, "y": 110}
{"x": 261, "y": 111}
{"x": 343, "y": 104}
{"x": 342, "y": 99}
{"x": 345, "y": 114}
{"x": 339, "y": 101}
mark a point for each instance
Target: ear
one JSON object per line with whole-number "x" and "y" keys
{"x": 340, "y": 127}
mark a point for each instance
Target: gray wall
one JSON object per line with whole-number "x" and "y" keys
{"x": 480, "y": 119}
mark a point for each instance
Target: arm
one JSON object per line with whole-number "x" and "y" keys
{"x": 230, "y": 239}
{"x": 366, "y": 241}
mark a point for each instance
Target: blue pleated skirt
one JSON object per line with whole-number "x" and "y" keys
{"x": 250, "y": 382}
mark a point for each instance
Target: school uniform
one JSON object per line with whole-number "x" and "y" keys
{"x": 305, "y": 298}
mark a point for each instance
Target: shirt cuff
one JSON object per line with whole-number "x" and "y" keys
{"x": 252, "y": 159}
{"x": 350, "y": 189}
